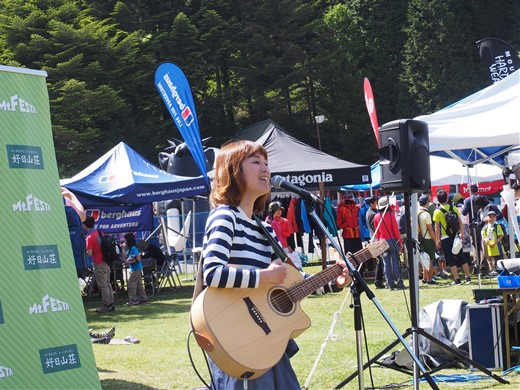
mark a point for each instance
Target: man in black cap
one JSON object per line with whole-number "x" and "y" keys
{"x": 466, "y": 208}
{"x": 469, "y": 208}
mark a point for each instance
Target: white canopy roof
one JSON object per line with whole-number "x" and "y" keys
{"x": 481, "y": 124}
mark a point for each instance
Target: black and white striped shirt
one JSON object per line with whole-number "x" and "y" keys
{"x": 234, "y": 249}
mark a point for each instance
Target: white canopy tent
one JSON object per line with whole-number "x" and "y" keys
{"x": 483, "y": 125}
{"x": 445, "y": 170}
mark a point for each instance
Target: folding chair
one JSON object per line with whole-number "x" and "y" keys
{"x": 167, "y": 274}
{"x": 90, "y": 281}
{"x": 150, "y": 274}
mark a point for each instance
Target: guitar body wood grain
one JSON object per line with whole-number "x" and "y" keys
{"x": 244, "y": 340}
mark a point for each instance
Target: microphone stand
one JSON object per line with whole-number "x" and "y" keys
{"x": 361, "y": 286}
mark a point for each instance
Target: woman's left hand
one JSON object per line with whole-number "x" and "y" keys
{"x": 345, "y": 278}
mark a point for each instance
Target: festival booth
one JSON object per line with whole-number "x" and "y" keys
{"x": 119, "y": 188}
{"x": 481, "y": 128}
{"x": 300, "y": 163}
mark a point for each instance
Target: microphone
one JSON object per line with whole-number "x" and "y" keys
{"x": 280, "y": 182}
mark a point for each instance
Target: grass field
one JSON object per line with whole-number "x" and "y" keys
{"x": 162, "y": 359}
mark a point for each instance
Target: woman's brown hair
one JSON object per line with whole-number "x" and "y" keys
{"x": 229, "y": 184}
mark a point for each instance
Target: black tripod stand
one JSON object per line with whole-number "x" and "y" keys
{"x": 414, "y": 330}
{"x": 361, "y": 286}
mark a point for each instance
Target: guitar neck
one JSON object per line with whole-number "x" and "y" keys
{"x": 308, "y": 286}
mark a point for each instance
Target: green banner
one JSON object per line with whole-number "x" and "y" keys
{"x": 44, "y": 343}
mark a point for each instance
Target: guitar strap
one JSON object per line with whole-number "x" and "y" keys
{"x": 278, "y": 250}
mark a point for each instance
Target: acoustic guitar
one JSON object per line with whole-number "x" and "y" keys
{"x": 245, "y": 330}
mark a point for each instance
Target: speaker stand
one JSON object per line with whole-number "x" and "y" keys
{"x": 419, "y": 331}
{"x": 363, "y": 285}
{"x": 414, "y": 330}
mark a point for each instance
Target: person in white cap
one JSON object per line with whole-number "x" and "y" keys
{"x": 389, "y": 231}
{"x": 492, "y": 235}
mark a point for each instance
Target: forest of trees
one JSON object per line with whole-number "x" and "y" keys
{"x": 247, "y": 61}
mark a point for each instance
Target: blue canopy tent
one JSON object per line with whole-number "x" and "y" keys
{"x": 123, "y": 176}
{"x": 118, "y": 189}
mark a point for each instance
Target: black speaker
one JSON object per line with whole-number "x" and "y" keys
{"x": 404, "y": 156}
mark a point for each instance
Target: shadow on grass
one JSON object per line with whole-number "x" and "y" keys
{"x": 118, "y": 384}
{"x": 167, "y": 302}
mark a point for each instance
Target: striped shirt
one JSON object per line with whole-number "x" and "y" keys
{"x": 234, "y": 249}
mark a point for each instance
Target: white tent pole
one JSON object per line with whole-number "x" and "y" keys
{"x": 184, "y": 246}
{"x": 165, "y": 235}
{"x": 508, "y": 195}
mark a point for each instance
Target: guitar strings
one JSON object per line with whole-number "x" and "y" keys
{"x": 293, "y": 294}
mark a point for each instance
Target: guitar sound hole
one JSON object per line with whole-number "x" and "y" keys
{"x": 281, "y": 301}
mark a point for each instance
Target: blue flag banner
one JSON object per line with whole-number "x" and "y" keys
{"x": 175, "y": 91}
{"x": 498, "y": 57}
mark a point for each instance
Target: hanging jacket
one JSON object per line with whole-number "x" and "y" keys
{"x": 329, "y": 217}
{"x": 347, "y": 219}
{"x": 292, "y": 216}
{"x": 362, "y": 219}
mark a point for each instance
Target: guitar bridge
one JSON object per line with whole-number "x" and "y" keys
{"x": 256, "y": 315}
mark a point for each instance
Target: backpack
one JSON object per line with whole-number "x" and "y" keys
{"x": 109, "y": 247}
{"x": 420, "y": 236}
{"x": 503, "y": 245}
{"x": 452, "y": 221}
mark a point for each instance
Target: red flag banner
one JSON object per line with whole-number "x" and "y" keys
{"x": 371, "y": 108}
{"x": 498, "y": 57}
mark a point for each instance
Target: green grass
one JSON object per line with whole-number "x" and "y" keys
{"x": 161, "y": 360}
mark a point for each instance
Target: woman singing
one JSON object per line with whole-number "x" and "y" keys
{"x": 235, "y": 250}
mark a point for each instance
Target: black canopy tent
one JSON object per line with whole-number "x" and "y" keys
{"x": 300, "y": 163}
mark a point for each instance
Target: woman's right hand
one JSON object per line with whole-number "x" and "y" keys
{"x": 274, "y": 274}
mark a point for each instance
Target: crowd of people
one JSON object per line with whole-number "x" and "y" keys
{"x": 458, "y": 235}
{"x": 473, "y": 245}
{"x": 89, "y": 257}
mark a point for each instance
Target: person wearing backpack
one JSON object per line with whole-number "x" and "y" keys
{"x": 101, "y": 268}
{"x": 447, "y": 226}
{"x": 426, "y": 236}
{"x": 136, "y": 294}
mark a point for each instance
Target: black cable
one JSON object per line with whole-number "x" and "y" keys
{"x": 195, "y": 368}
